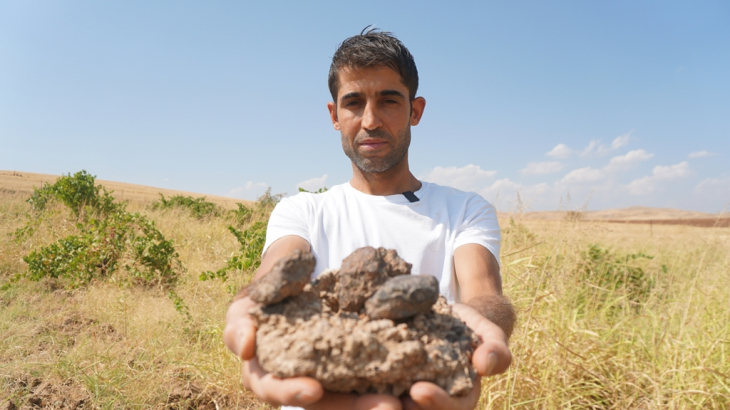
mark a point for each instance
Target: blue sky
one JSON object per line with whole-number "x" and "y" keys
{"x": 571, "y": 104}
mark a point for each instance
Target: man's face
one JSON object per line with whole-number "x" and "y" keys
{"x": 374, "y": 116}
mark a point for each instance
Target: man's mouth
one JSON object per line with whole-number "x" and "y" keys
{"x": 370, "y": 144}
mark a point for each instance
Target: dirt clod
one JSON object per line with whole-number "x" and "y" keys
{"x": 35, "y": 393}
{"x": 287, "y": 278}
{"x": 402, "y": 297}
{"x": 363, "y": 271}
{"x": 326, "y": 331}
{"x": 8, "y": 405}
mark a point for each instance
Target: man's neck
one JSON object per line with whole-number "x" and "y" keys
{"x": 391, "y": 182}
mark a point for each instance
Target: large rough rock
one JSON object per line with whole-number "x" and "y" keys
{"x": 364, "y": 329}
{"x": 287, "y": 278}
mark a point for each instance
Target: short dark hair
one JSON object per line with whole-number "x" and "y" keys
{"x": 374, "y": 48}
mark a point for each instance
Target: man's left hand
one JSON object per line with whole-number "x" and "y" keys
{"x": 491, "y": 357}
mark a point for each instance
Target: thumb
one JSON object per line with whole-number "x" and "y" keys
{"x": 492, "y": 356}
{"x": 240, "y": 332}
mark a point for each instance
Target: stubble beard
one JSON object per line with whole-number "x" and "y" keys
{"x": 378, "y": 164}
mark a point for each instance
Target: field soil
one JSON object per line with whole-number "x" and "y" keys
{"x": 633, "y": 215}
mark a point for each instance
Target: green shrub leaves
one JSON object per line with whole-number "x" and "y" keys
{"x": 109, "y": 237}
{"x": 199, "y": 207}
{"x": 78, "y": 193}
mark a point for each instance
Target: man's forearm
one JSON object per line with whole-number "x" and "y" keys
{"x": 497, "y": 309}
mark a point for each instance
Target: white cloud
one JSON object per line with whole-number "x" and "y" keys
{"x": 621, "y": 140}
{"x": 517, "y": 195}
{"x": 671, "y": 171}
{"x": 701, "y": 154}
{"x": 314, "y": 183}
{"x": 595, "y": 148}
{"x": 623, "y": 162}
{"x": 467, "y": 178}
{"x": 540, "y": 168}
{"x": 582, "y": 175}
{"x": 718, "y": 186}
{"x": 660, "y": 174}
{"x": 617, "y": 164}
{"x": 560, "y": 151}
{"x": 251, "y": 190}
{"x": 592, "y": 148}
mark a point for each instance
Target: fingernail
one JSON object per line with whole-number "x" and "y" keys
{"x": 306, "y": 396}
{"x": 491, "y": 363}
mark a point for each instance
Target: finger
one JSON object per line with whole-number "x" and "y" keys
{"x": 240, "y": 332}
{"x": 493, "y": 355}
{"x": 428, "y": 396}
{"x": 352, "y": 401}
{"x": 295, "y": 391}
{"x": 409, "y": 404}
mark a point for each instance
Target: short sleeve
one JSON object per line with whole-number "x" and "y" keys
{"x": 479, "y": 226}
{"x": 288, "y": 218}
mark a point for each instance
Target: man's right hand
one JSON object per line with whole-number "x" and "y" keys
{"x": 240, "y": 337}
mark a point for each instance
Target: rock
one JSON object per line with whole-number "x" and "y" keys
{"x": 363, "y": 271}
{"x": 8, "y": 405}
{"x": 41, "y": 388}
{"x": 314, "y": 334}
{"x": 402, "y": 297}
{"x": 286, "y": 279}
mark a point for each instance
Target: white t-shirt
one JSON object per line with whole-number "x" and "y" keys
{"x": 424, "y": 233}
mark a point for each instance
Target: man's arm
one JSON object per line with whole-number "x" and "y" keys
{"x": 488, "y": 314}
{"x": 480, "y": 284}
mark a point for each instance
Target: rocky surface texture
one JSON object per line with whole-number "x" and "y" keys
{"x": 369, "y": 328}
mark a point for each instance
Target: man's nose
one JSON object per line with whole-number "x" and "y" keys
{"x": 371, "y": 117}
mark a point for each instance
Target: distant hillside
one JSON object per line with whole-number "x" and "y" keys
{"x": 634, "y": 213}
{"x": 24, "y": 182}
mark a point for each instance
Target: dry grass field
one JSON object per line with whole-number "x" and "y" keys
{"x": 611, "y": 316}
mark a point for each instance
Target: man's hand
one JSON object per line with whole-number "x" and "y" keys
{"x": 490, "y": 358}
{"x": 240, "y": 337}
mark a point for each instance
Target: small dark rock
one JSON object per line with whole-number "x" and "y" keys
{"x": 363, "y": 271}
{"x": 287, "y": 278}
{"x": 402, "y": 297}
{"x": 8, "y": 405}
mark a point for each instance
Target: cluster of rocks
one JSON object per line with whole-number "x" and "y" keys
{"x": 370, "y": 327}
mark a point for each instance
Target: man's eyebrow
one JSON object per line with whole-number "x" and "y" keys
{"x": 353, "y": 94}
{"x": 386, "y": 93}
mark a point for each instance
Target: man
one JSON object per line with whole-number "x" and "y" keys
{"x": 449, "y": 234}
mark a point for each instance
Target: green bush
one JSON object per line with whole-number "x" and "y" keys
{"x": 248, "y": 257}
{"x": 614, "y": 277}
{"x": 319, "y": 191}
{"x": 77, "y": 192}
{"x": 251, "y": 240}
{"x": 102, "y": 244}
{"x": 241, "y": 215}
{"x": 108, "y": 237}
{"x": 198, "y": 207}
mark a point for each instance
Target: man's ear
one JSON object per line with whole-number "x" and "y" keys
{"x": 417, "y": 106}
{"x": 332, "y": 107}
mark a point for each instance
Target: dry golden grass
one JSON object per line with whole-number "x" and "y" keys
{"x": 127, "y": 347}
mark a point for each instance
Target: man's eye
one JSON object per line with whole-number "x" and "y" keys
{"x": 351, "y": 104}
